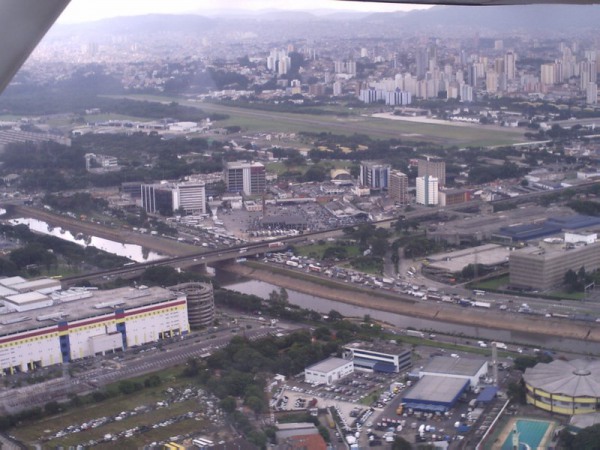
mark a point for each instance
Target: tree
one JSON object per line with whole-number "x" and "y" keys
{"x": 228, "y": 404}
{"x": 587, "y": 439}
{"x": 401, "y": 444}
{"x": 255, "y": 404}
{"x": 335, "y": 315}
{"x": 517, "y": 392}
{"x": 52, "y": 407}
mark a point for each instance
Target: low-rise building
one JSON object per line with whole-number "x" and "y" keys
{"x": 379, "y": 356}
{"x": 328, "y": 371}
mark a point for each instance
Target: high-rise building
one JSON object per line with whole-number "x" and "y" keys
{"x": 375, "y": 175}
{"x": 491, "y": 82}
{"x": 157, "y": 198}
{"x": 587, "y": 73}
{"x": 189, "y": 197}
{"x": 345, "y": 66}
{"x": 337, "y": 88}
{"x": 398, "y": 188}
{"x": 427, "y": 190}
{"x": 279, "y": 61}
{"x": 244, "y": 177}
{"x": 466, "y": 93}
{"x": 591, "y": 92}
{"x": 434, "y": 167}
{"x": 510, "y": 65}
{"x": 547, "y": 74}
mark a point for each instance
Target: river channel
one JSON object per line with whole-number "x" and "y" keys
{"x": 134, "y": 252}
{"x": 462, "y": 332}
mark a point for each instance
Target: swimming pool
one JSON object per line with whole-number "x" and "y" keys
{"x": 531, "y": 433}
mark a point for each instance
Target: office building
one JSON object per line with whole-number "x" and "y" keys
{"x": 434, "y": 167}
{"x": 379, "y": 356}
{"x": 64, "y": 326}
{"x": 245, "y": 178}
{"x": 157, "y": 198}
{"x": 398, "y": 187}
{"x": 454, "y": 197}
{"x": 427, "y": 190}
{"x": 189, "y": 197}
{"x": 375, "y": 175}
{"x": 185, "y": 197}
{"x": 544, "y": 266}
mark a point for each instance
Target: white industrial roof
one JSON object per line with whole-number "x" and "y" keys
{"x": 328, "y": 365}
{"x": 576, "y": 378}
{"x": 4, "y": 291}
{"x": 11, "y": 280}
{"x": 27, "y": 297}
{"x": 446, "y": 365}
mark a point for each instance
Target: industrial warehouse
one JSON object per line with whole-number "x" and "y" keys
{"x": 49, "y": 326}
{"x": 564, "y": 387}
{"x": 443, "y": 381}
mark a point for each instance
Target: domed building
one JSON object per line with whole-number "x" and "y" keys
{"x": 200, "y": 303}
{"x": 564, "y": 387}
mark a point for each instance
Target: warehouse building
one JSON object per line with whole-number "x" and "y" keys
{"x": 328, "y": 371}
{"x": 435, "y": 393}
{"x": 69, "y": 325}
{"x": 379, "y": 356}
{"x": 564, "y": 387}
{"x": 470, "y": 369}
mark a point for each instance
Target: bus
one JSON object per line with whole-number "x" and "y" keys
{"x": 478, "y": 292}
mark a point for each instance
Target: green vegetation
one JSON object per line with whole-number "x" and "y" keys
{"x": 491, "y": 284}
{"x": 49, "y": 255}
{"x": 323, "y": 250}
{"x": 376, "y": 128}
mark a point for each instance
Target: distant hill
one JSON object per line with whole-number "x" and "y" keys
{"x": 550, "y": 18}
{"x": 553, "y": 19}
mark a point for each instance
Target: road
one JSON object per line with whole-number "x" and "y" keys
{"x": 127, "y": 365}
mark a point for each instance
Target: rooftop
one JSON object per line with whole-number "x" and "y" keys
{"x": 378, "y": 347}
{"x": 446, "y": 365}
{"x": 576, "y": 378}
{"x": 97, "y": 304}
{"x": 489, "y": 255}
{"x": 436, "y": 389}
{"x": 328, "y": 365}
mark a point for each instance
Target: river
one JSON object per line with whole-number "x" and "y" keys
{"x": 323, "y": 306}
{"x": 134, "y": 252}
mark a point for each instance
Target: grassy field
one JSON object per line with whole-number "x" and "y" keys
{"x": 377, "y": 128}
{"x": 316, "y": 251}
{"x": 493, "y": 284}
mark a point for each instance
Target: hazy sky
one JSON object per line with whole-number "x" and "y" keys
{"x": 86, "y": 10}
